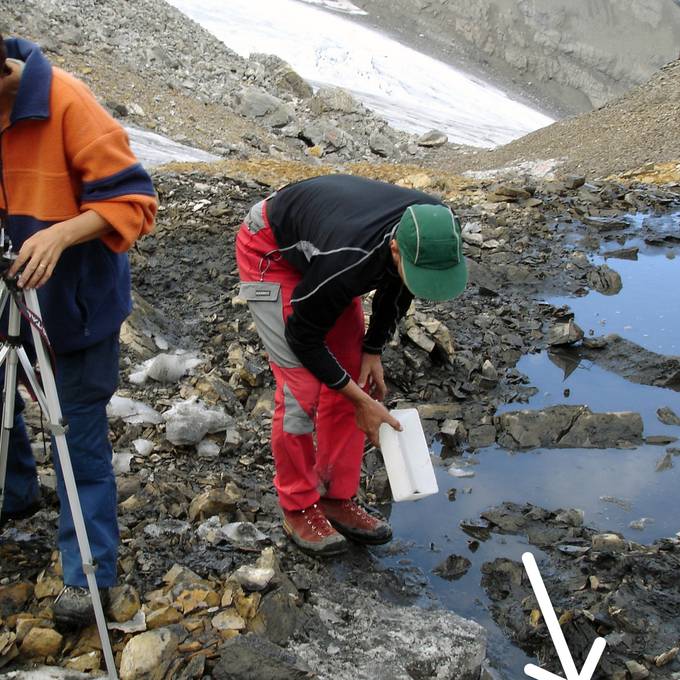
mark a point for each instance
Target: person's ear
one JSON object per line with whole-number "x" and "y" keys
{"x": 394, "y": 249}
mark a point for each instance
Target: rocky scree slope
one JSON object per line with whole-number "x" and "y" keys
{"x": 636, "y": 129}
{"x": 157, "y": 69}
{"x": 570, "y": 56}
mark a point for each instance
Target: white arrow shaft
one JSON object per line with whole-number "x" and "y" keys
{"x": 550, "y": 617}
{"x": 556, "y": 634}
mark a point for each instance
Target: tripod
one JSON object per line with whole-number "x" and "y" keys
{"x": 12, "y": 353}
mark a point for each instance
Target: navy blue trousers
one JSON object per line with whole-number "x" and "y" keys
{"x": 86, "y": 380}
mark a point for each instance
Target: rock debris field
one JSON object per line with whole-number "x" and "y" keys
{"x": 210, "y": 586}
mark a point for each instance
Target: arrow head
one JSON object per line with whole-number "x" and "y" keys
{"x": 540, "y": 673}
{"x": 556, "y": 634}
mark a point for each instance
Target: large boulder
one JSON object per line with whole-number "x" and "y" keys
{"x": 380, "y": 640}
{"x": 568, "y": 427}
{"x": 267, "y": 108}
{"x": 334, "y": 100}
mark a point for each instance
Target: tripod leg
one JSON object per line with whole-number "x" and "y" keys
{"x": 54, "y": 416}
{"x": 7, "y": 421}
{"x": 8, "y": 355}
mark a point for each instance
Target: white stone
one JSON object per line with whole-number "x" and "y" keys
{"x": 143, "y": 447}
{"x": 133, "y": 412}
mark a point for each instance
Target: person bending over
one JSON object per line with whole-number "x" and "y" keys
{"x": 306, "y": 255}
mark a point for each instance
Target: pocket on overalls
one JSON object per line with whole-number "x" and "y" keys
{"x": 266, "y": 306}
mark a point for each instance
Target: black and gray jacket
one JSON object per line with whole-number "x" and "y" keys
{"x": 336, "y": 230}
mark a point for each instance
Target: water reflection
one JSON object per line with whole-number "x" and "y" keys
{"x": 613, "y": 487}
{"x": 646, "y": 310}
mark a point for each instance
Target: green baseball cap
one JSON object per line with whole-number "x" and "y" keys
{"x": 431, "y": 249}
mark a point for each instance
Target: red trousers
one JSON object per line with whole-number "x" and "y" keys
{"x": 304, "y": 407}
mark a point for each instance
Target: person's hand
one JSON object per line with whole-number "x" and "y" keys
{"x": 370, "y": 414}
{"x": 371, "y": 376}
{"x": 38, "y": 257}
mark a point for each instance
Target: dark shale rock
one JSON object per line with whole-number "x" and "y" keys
{"x": 568, "y": 427}
{"x": 251, "y": 657}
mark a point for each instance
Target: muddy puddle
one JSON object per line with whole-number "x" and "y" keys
{"x": 626, "y": 491}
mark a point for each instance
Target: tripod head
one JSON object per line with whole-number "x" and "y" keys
{"x": 7, "y": 255}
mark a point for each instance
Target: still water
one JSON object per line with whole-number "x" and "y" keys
{"x": 613, "y": 487}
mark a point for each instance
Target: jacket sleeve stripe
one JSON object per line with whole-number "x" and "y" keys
{"x": 131, "y": 180}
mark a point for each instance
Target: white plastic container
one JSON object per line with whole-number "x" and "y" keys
{"x": 407, "y": 457}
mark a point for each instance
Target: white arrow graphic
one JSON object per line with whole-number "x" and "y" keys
{"x": 557, "y": 635}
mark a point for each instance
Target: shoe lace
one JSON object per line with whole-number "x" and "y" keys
{"x": 317, "y": 520}
{"x": 355, "y": 509}
{"x": 74, "y": 592}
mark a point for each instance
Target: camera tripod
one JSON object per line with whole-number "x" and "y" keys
{"x": 12, "y": 353}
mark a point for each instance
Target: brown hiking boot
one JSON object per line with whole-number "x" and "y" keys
{"x": 312, "y": 532}
{"x": 354, "y": 522}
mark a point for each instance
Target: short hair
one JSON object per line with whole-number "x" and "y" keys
{"x": 4, "y": 69}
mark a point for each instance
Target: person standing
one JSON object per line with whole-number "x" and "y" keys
{"x": 73, "y": 199}
{"x": 306, "y": 255}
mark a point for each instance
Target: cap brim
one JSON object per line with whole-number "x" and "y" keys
{"x": 435, "y": 284}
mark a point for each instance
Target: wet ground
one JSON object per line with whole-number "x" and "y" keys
{"x": 470, "y": 371}
{"x": 614, "y": 488}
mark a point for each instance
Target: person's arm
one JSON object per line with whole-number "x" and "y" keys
{"x": 316, "y": 308}
{"x": 324, "y": 305}
{"x": 40, "y": 253}
{"x": 369, "y": 413}
{"x": 391, "y": 301}
{"x": 111, "y": 181}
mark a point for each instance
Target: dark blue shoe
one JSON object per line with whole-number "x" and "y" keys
{"x": 73, "y": 608}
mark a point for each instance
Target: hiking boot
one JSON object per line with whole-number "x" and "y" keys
{"x": 312, "y": 532}
{"x": 24, "y": 513}
{"x": 73, "y": 607}
{"x": 354, "y": 522}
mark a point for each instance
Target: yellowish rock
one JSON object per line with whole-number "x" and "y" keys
{"x": 230, "y": 590}
{"x": 197, "y": 598}
{"x": 13, "y": 597}
{"x": 247, "y": 606}
{"x": 148, "y": 655}
{"x": 8, "y": 647}
{"x": 165, "y": 616}
{"x": 419, "y": 180}
{"x": 87, "y": 642}
{"x": 85, "y": 663}
{"x": 229, "y": 619}
{"x": 124, "y": 603}
{"x": 566, "y": 617}
{"x": 7, "y": 642}
{"x": 25, "y": 624}
{"x": 132, "y": 503}
{"x": 211, "y": 503}
{"x": 180, "y": 574}
{"x": 228, "y": 634}
{"x": 194, "y": 624}
{"x": 41, "y": 642}
{"x": 189, "y": 647}
{"x": 49, "y": 586}
{"x": 158, "y": 598}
